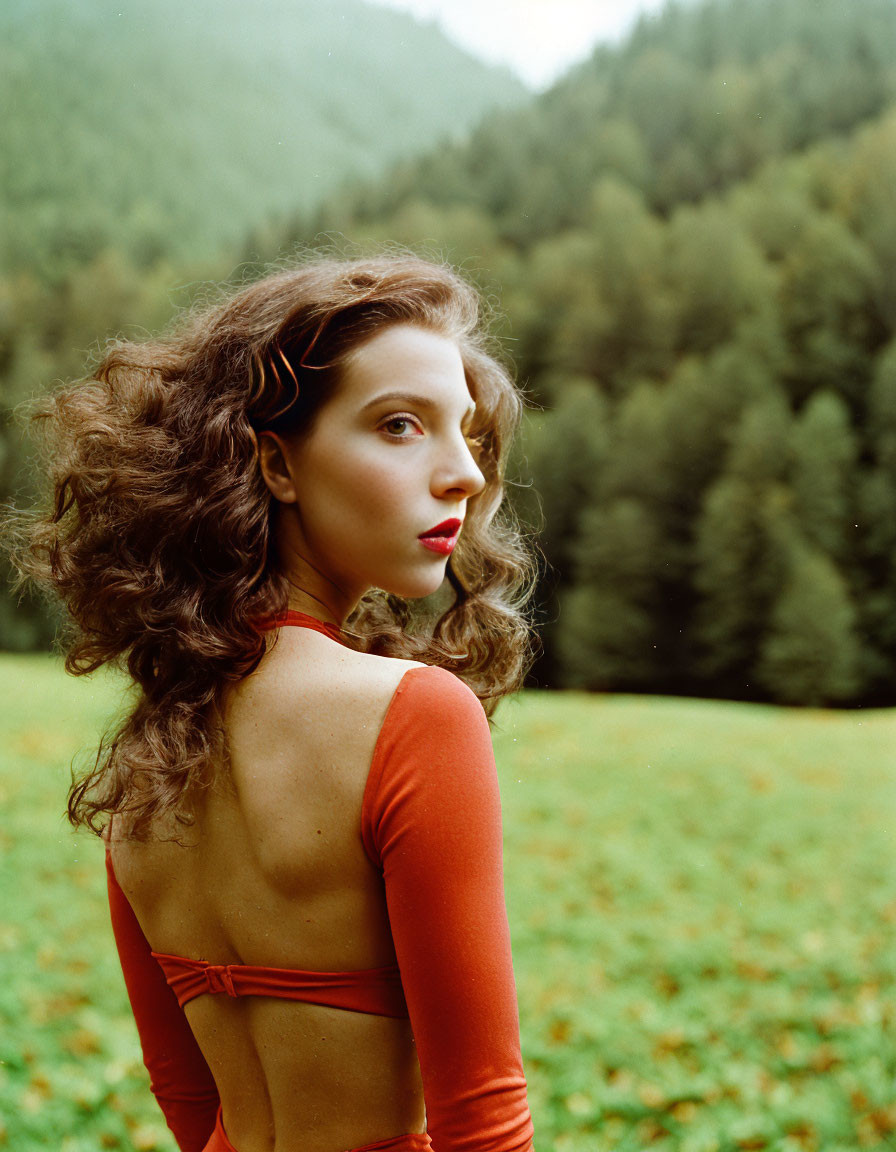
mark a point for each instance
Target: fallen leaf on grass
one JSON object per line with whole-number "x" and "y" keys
{"x": 668, "y": 1042}
{"x": 579, "y": 1104}
{"x": 651, "y": 1130}
{"x": 83, "y": 1042}
{"x": 560, "y": 1031}
{"x": 146, "y": 1138}
{"x": 824, "y": 1058}
{"x": 40, "y": 1085}
{"x": 652, "y": 1096}
{"x": 883, "y": 1120}
{"x": 805, "y": 1135}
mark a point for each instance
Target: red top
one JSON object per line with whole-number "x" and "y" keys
{"x": 375, "y": 990}
{"x": 431, "y": 822}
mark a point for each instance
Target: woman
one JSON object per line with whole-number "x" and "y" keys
{"x": 301, "y": 811}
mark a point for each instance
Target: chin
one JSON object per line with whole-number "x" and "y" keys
{"x": 419, "y": 585}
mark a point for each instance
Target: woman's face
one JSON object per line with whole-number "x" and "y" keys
{"x": 386, "y": 462}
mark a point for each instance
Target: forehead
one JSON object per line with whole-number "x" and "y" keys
{"x": 405, "y": 355}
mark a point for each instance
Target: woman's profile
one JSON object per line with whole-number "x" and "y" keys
{"x": 282, "y": 521}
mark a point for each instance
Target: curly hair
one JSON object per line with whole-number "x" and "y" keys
{"x": 157, "y": 533}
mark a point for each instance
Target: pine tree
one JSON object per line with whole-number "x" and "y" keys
{"x": 829, "y": 279}
{"x": 825, "y": 452}
{"x": 740, "y": 546}
{"x": 810, "y": 652}
{"x": 605, "y": 626}
{"x": 882, "y": 410}
{"x": 564, "y": 456}
{"x": 875, "y": 582}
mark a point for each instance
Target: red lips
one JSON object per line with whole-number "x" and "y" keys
{"x": 442, "y": 538}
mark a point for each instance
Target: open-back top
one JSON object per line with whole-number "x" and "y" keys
{"x": 431, "y": 825}
{"x": 375, "y": 990}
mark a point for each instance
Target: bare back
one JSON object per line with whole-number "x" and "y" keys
{"x": 274, "y": 873}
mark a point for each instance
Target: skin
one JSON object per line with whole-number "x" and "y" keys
{"x": 274, "y": 872}
{"x": 386, "y": 460}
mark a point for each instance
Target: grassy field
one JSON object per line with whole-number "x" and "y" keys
{"x": 702, "y": 904}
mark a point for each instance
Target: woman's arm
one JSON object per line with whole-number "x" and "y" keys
{"x": 432, "y": 822}
{"x": 179, "y": 1076}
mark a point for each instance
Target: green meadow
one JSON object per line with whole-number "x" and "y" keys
{"x": 701, "y": 898}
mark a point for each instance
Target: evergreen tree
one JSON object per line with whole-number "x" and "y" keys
{"x": 875, "y": 582}
{"x": 867, "y": 202}
{"x": 810, "y": 652}
{"x": 739, "y": 550}
{"x": 559, "y": 465}
{"x": 564, "y": 456}
{"x": 702, "y": 404}
{"x": 829, "y": 279}
{"x": 824, "y": 454}
{"x": 599, "y": 305}
{"x": 605, "y": 630}
{"x": 718, "y": 277}
{"x": 882, "y": 410}
{"x": 636, "y": 461}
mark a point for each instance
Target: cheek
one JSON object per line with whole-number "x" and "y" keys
{"x": 377, "y": 481}
{"x": 367, "y": 486}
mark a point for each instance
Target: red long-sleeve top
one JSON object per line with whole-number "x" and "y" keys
{"x": 431, "y": 822}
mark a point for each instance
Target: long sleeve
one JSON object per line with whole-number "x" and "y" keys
{"x": 432, "y": 822}
{"x": 179, "y": 1076}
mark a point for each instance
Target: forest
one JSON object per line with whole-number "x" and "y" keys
{"x": 164, "y": 130}
{"x": 690, "y": 243}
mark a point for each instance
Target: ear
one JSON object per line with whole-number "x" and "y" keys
{"x": 273, "y": 459}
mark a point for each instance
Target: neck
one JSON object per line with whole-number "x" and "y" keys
{"x": 311, "y": 590}
{"x": 301, "y": 600}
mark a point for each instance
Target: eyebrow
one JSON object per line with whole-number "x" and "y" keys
{"x": 415, "y": 400}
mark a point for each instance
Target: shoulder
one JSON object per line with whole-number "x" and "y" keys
{"x": 433, "y": 769}
{"x": 434, "y": 728}
{"x": 409, "y": 703}
{"x": 307, "y": 675}
{"x": 310, "y": 673}
{"x": 434, "y": 696}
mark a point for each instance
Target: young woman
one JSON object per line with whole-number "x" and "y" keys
{"x": 256, "y": 517}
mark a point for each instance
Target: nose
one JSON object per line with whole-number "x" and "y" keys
{"x": 458, "y": 474}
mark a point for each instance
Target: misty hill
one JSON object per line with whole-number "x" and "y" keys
{"x": 172, "y": 127}
{"x": 694, "y": 100}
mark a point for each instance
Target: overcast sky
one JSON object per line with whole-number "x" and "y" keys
{"x": 538, "y": 39}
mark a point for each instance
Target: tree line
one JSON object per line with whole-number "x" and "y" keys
{"x": 692, "y": 242}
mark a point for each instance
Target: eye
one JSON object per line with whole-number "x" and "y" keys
{"x": 401, "y": 427}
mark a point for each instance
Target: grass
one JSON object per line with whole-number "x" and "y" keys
{"x": 701, "y": 899}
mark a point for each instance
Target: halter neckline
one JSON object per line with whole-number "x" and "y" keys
{"x": 292, "y": 616}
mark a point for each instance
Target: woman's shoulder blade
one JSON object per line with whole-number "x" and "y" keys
{"x": 357, "y": 703}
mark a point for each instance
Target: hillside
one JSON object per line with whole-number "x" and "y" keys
{"x": 694, "y": 100}
{"x": 692, "y": 238}
{"x": 163, "y": 127}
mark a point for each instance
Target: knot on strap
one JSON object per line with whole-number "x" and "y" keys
{"x": 219, "y": 979}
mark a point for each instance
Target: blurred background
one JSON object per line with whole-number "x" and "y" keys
{"x": 684, "y": 215}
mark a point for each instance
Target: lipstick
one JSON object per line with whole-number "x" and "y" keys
{"x": 442, "y": 538}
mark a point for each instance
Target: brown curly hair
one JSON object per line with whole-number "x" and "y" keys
{"x": 157, "y": 532}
